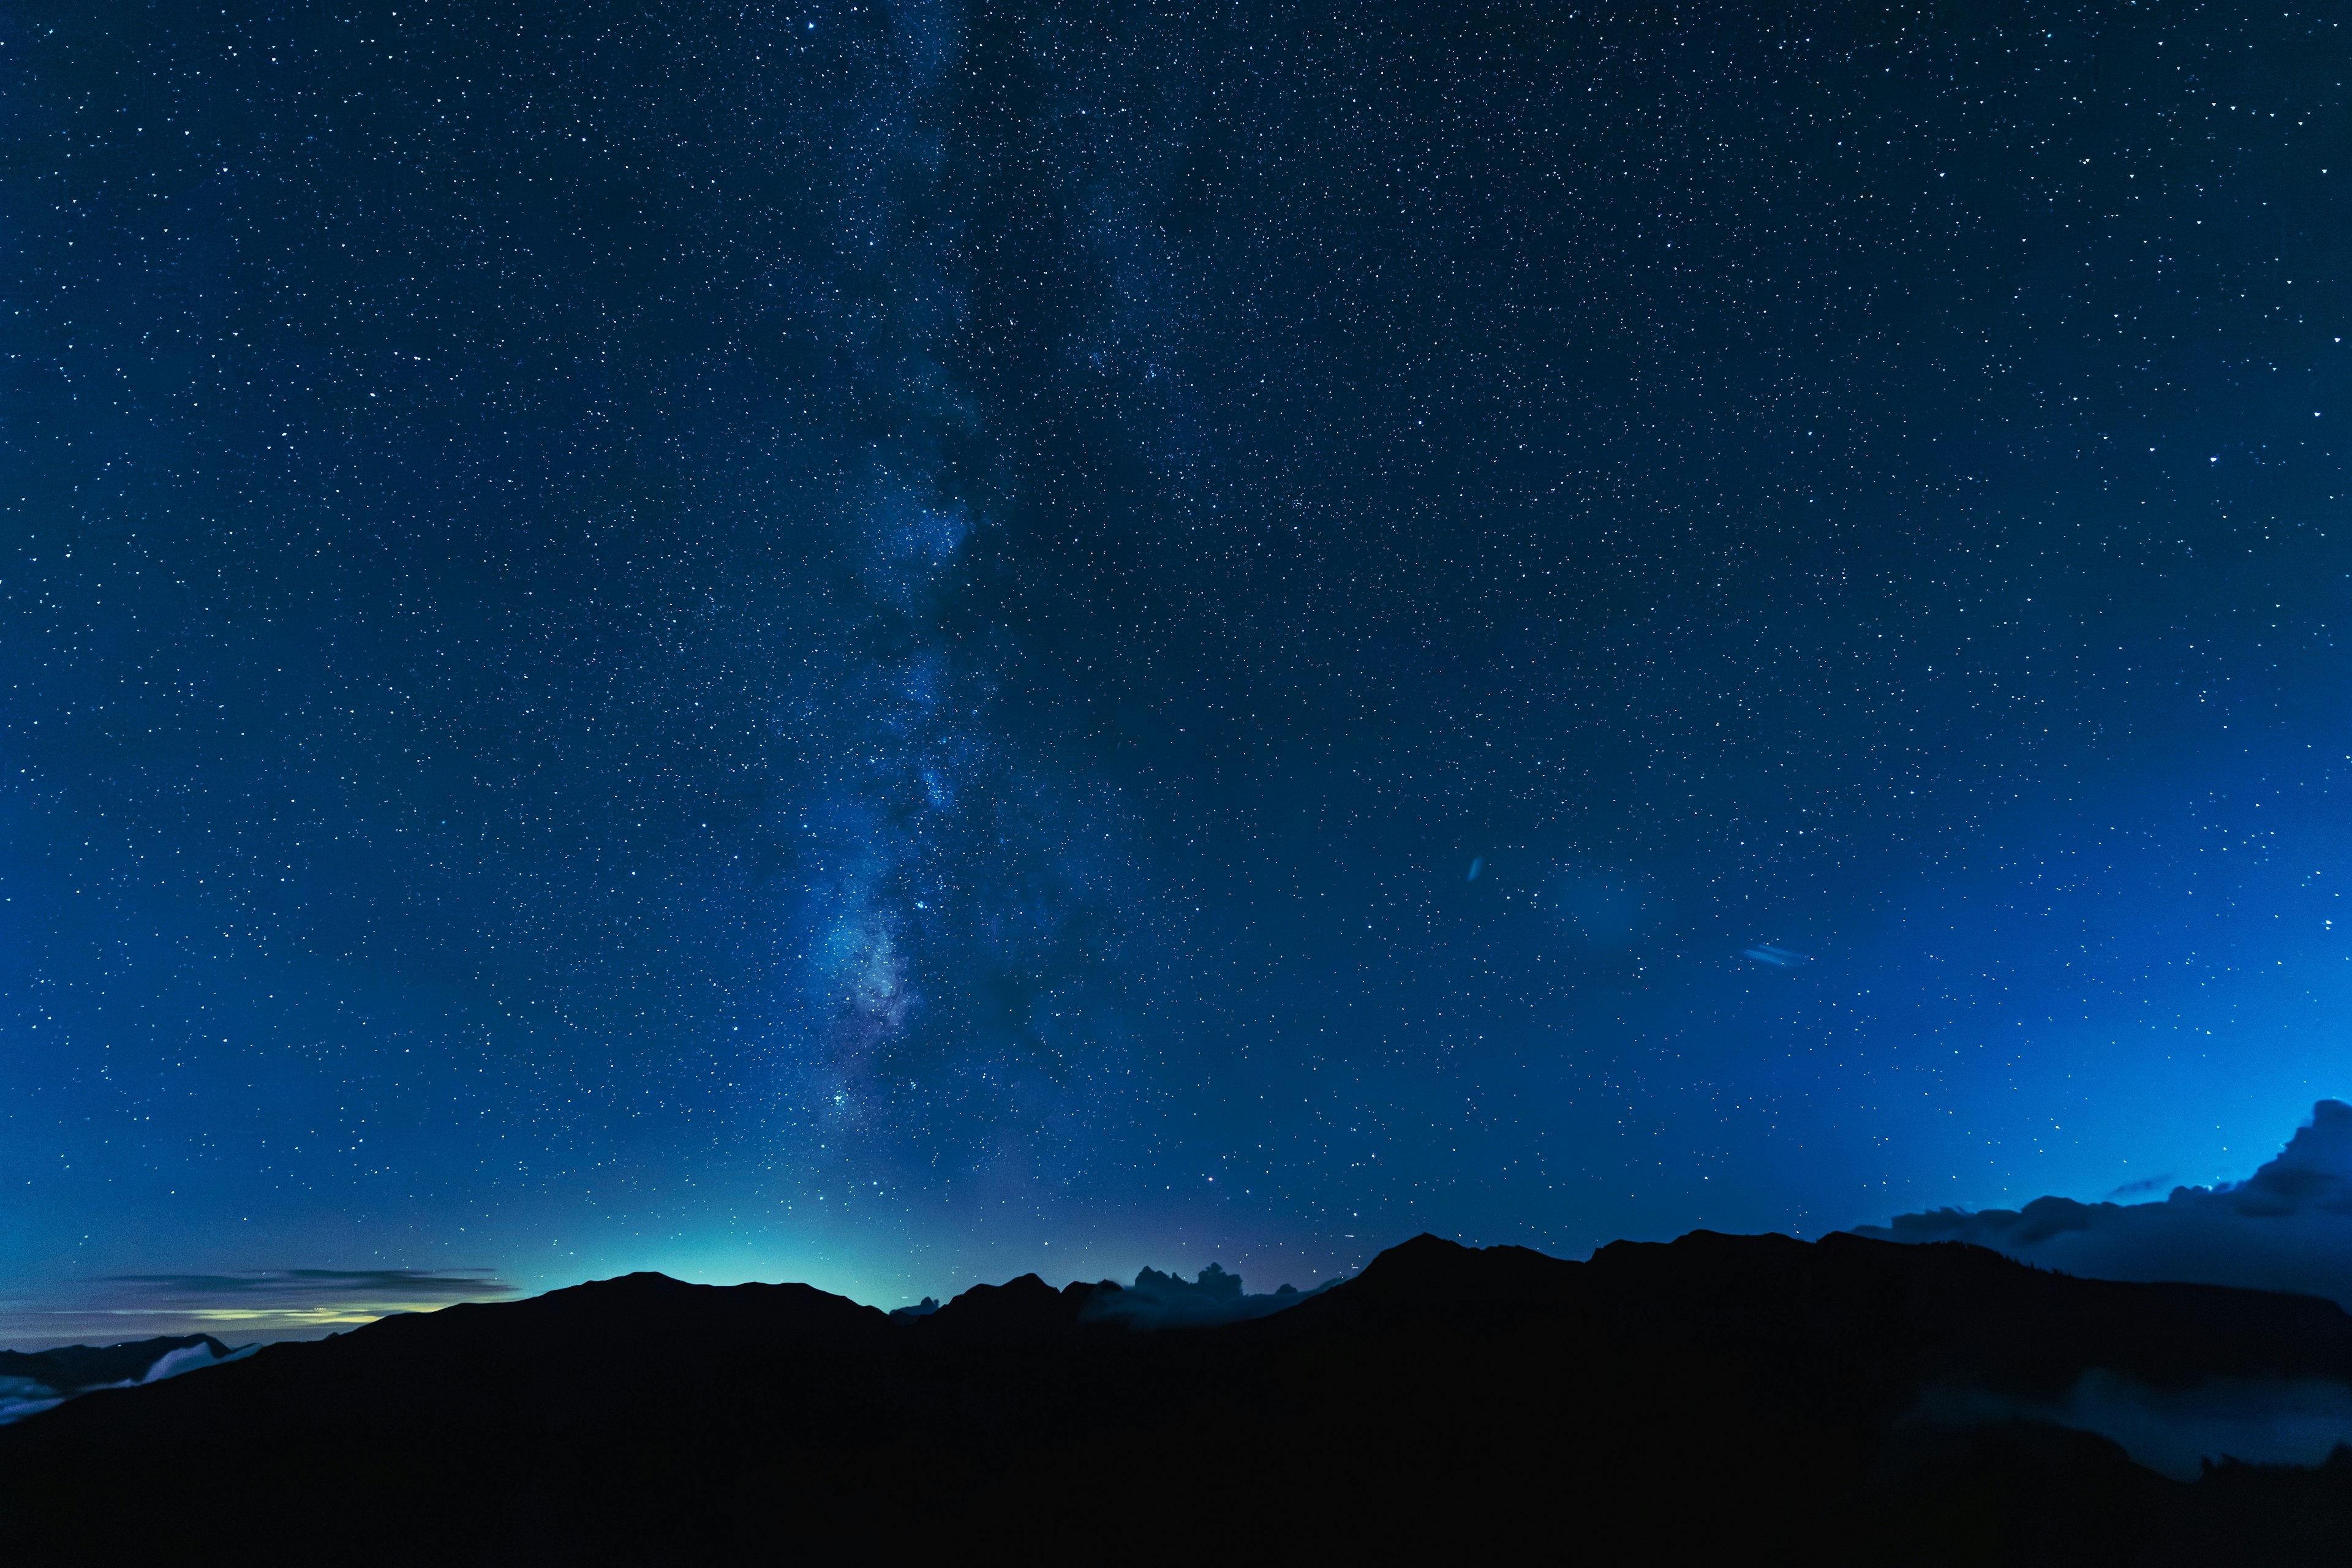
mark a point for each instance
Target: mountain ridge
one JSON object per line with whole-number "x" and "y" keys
{"x": 1841, "y": 1398}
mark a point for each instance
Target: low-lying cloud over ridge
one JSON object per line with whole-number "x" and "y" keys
{"x": 2286, "y": 1227}
{"x": 2177, "y": 1432}
{"x": 257, "y": 1303}
{"x": 1157, "y": 1300}
{"x": 32, "y": 1383}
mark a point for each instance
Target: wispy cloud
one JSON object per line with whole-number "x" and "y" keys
{"x": 296, "y": 1284}
{"x": 249, "y": 1304}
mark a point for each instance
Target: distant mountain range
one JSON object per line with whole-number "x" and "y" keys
{"x": 1736, "y": 1399}
{"x": 35, "y": 1380}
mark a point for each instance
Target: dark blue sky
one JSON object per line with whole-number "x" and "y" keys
{"x": 877, "y": 643}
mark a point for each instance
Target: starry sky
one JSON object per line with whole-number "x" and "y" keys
{"x": 895, "y": 643}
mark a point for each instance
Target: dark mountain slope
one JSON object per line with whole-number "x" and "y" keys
{"x": 1957, "y": 1312}
{"x": 1749, "y": 1398}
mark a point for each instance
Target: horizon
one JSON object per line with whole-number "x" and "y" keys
{"x": 2255, "y": 1246}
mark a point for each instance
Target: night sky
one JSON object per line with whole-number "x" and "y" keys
{"x": 895, "y": 644}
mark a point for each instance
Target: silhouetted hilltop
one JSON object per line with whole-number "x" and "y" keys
{"x": 1025, "y": 1310}
{"x": 1847, "y": 1400}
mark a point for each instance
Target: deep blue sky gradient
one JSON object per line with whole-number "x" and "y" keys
{"x": 873, "y": 643}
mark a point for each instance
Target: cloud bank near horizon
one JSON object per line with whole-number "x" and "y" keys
{"x": 302, "y": 1286}
{"x": 2286, "y": 1227}
{"x": 256, "y": 1304}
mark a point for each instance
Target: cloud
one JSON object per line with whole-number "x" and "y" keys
{"x": 256, "y": 1304}
{"x": 32, "y": 1383}
{"x": 195, "y": 1358}
{"x": 299, "y": 1286}
{"x": 2177, "y": 1431}
{"x": 23, "y": 1396}
{"x": 2286, "y": 1227}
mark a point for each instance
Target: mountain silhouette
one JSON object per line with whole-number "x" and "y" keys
{"x": 1716, "y": 1398}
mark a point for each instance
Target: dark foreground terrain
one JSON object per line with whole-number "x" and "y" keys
{"x": 1735, "y": 1399}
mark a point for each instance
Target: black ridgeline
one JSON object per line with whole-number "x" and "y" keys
{"x": 1733, "y": 1399}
